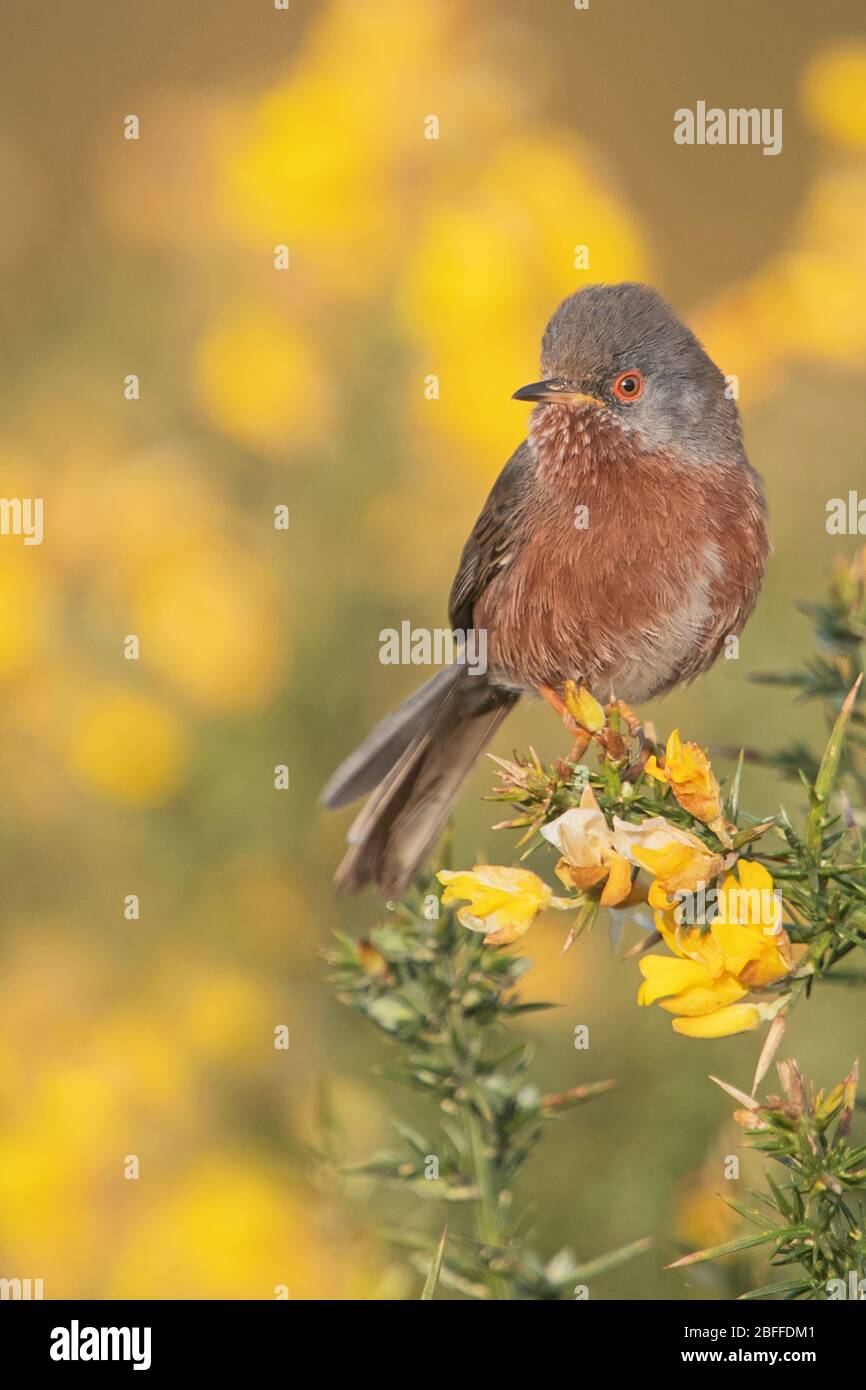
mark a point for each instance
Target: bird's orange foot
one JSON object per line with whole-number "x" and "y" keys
{"x": 645, "y": 740}
{"x": 627, "y": 714}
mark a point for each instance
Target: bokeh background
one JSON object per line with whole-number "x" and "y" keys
{"x": 305, "y": 388}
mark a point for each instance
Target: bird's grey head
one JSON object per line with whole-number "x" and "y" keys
{"x": 623, "y": 349}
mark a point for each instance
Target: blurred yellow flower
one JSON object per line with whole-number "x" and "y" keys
{"x": 711, "y": 971}
{"x": 127, "y": 508}
{"x": 128, "y": 747}
{"x": 808, "y": 302}
{"x": 61, "y": 1141}
{"x": 588, "y": 854}
{"x": 100, "y": 1056}
{"x": 503, "y": 903}
{"x": 297, "y": 191}
{"x": 320, "y": 161}
{"x": 816, "y": 301}
{"x": 222, "y": 1015}
{"x": 833, "y": 219}
{"x": 209, "y": 621}
{"x": 688, "y": 773}
{"x": 487, "y": 267}
{"x": 27, "y": 609}
{"x": 832, "y": 91}
{"x": 135, "y": 1045}
{"x": 701, "y": 1217}
{"x": 228, "y": 1226}
{"x": 257, "y": 379}
{"x": 372, "y": 961}
{"x": 739, "y": 327}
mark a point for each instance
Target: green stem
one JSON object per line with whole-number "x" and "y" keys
{"x": 488, "y": 1213}
{"x": 613, "y": 785}
{"x": 826, "y": 779}
{"x": 487, "y": 1209}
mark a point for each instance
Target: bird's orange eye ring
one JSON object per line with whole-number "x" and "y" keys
{"x": 628, "y": 386}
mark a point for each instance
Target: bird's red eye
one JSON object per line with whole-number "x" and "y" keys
{"x": 628, "y": 386}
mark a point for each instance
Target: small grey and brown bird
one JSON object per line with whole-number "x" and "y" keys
{"x": 622, "y": 543}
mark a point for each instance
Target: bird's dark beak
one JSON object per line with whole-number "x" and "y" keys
{"x": 554, "y": 389}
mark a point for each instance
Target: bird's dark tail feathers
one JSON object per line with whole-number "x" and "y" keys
{"x": 413, "y": 763}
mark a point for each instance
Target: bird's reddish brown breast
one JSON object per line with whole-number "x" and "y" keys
{"x": 629, "y": 569}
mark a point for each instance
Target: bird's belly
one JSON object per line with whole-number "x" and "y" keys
{"x": 626, "y": 637}
{"x": 644, "y": 666}
{"x": 639, "y": 599}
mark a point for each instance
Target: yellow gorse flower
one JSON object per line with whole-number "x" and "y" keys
{"x": 503, "y": 903}
{"x": 688, "y": 773}
{"x": 589, "y": 855}
{"x": 677, "y": 860}
{"x": 706, "y": 979}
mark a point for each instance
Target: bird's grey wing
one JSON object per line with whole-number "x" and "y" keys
{"x": 491, "y": 538}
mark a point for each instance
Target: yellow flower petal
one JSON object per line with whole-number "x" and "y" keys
{"x": 739, "y": 945}
{"x": 573, "y": 876}
{"x": 505, "y": 935}
{"x": 502, "y": 902}
{"x": 705, "y": 999}
{"x": 736, "y": 954}
{"x": 583, "y": 707}
{"x": 652, "y": 769}
{"x": 691, "y": 943}
{"x": 618, "y": 884}
{"x": 668, "y": 975}
{"x": 687, "y": 770}
{"x": 723, "y": 1023}
{"x": 679, "y": 866}
{"x": 581, "y": 834}
{"x": 658, "y": 898}
{"x": 774, "y": 964}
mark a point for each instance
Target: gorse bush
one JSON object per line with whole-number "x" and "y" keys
{"x": 749, "y": 913}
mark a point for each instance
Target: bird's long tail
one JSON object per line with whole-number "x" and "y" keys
{"x": 413, "y": 763}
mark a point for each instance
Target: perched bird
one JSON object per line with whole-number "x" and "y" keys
{"x": 622, "y": 543}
